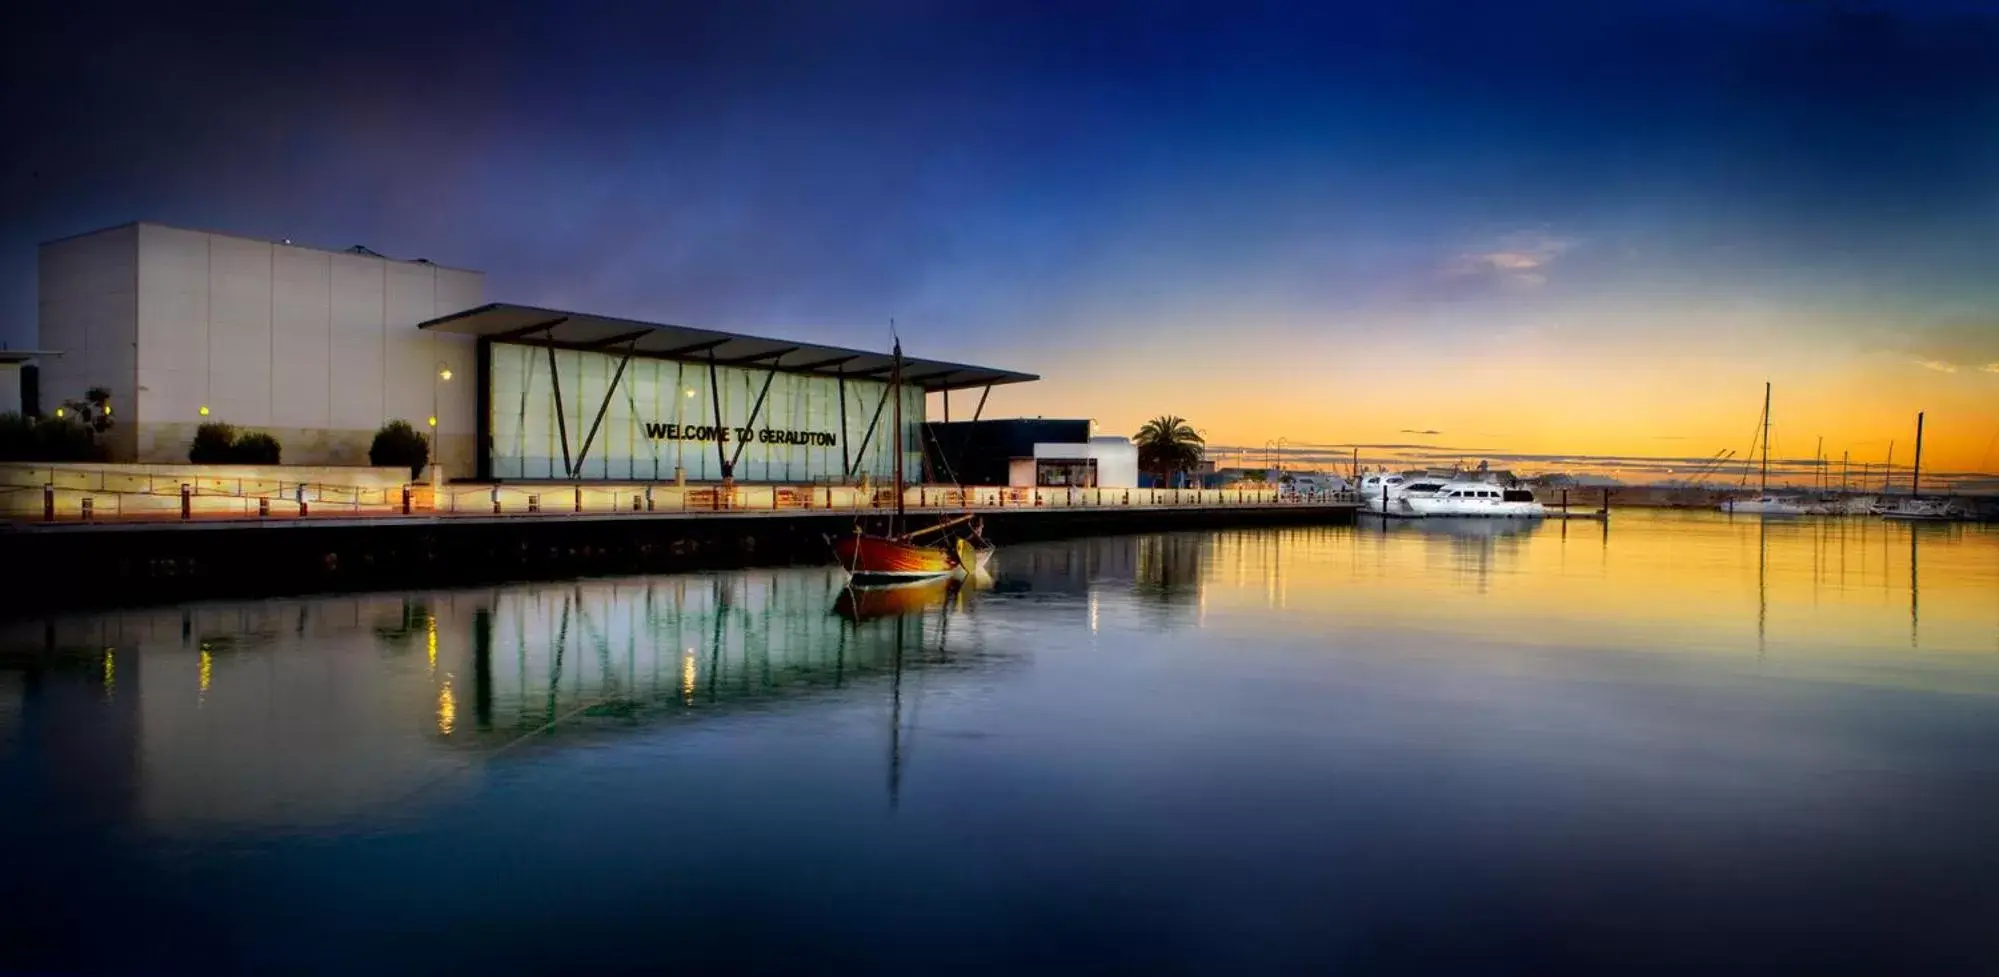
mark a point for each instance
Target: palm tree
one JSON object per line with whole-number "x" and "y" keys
{"x": 1168, "y": 444}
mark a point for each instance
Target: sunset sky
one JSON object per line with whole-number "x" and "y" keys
{"x": 1525, "y": 229}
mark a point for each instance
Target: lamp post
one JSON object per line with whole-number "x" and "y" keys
{"x": 1281, "y": 442}
{"x": 442, "y": 375}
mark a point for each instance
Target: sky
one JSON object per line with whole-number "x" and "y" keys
{"x": 1537, "y": 232}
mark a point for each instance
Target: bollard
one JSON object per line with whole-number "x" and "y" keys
{"x": 1127, "y": 496}
{"x": 579, "y": 498}
{"x": 86, "y": 508}
{"x": 534, "y": 503}
{"x": 406, "y": 500}
{"x": 648, "y": 498}
{"x": 638, "y": 504}
{"x": 496, "y": 500}
{"x": 48, "y": 502}
{"x": 186, "y": 500}
{"x": 301, "y": 499}
{"x": 263, "y": 508}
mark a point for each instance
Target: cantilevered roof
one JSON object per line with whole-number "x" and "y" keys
{"x": 575, "y": 330}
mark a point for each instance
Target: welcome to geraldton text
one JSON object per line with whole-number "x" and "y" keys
{"x": 709, "y": 432}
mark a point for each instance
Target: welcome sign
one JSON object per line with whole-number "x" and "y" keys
{"x": 658, "y": 431}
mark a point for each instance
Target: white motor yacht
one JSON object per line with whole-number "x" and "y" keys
{"x": 1467, "y": 497}
{"x": 1393, "y": 493}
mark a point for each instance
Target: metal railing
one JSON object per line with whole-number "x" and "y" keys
{"x": 163, "y": 498}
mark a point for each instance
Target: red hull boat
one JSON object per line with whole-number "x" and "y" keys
{"x": 890, "y": 559}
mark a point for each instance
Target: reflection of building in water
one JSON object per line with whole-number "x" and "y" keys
{"x": 314, "y": 711}
{"x": 1145, "y": 580}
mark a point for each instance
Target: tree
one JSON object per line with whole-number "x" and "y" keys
{"x": 93, "y": 411}
{"x": 255, "y": 448}
{"x": 399, "y": 444}
{"x": 1168, "y": 444}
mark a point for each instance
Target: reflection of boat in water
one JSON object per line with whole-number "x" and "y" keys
{"x": 861, "y": 603}
{"x": 1463, "y": 527}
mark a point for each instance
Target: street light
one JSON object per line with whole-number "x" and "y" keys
{"x": 444, "y": 375}
{"x": 1281, "y": 442}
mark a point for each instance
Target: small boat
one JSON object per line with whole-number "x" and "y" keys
{"x": 1924, "y": 510}
{"x": 1768, "y": 505}
{"x": 891, "y": 557}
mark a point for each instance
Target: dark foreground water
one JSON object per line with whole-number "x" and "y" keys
{"x": 1684, "y": 745}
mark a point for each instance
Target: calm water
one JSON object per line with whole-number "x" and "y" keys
{"x": 1686, "y": 744}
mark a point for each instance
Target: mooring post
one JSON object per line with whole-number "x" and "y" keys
{"x": 49, "y": 502}
{"x": 496, "y": 500}
{"x": 263, "y": 508}
{"x": 186, "y": 501}
{"x": 648, "y": 498}
{"x": 1606, "y": 500}
{"x": 578, "y": 491}
{"x": 301, "y": 499}
{"x": 1565, "y": 503}
{"x": 406, "y": 500}
{"x": 534, "y": 503}
{"x": 86, "y": 508}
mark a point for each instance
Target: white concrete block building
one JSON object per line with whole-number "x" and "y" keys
{"x": 319, "y": 348}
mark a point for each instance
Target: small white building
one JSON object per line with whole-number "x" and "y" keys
{"x": 1102, "y": 462}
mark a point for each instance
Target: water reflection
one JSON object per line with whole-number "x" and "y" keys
{"x": 1506, "y": 714}
{"x": 289, "y": 713}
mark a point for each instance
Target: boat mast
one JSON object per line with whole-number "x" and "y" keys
{"x": 1818, "y": 461}
{"x": 1766, "y": 438}
{"x": 895, "y": 394}
{"x": 1888, "y": 468}
{"x": 1916, "y": 473}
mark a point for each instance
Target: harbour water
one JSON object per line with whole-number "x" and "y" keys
{"x": 1676, "y": 743}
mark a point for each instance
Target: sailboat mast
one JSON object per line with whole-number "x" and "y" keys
{"x": 1766, "y": 437}
{"x": 895, "y": 394}
{"x": 1888, "y": 468}
{"x": 1916, "y": 473}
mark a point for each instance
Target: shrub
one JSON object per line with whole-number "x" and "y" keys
{"x": 65, "y": 439}
{"x": 255, "y": 448}
{"x": 214, "y": 444}
{"x": 399, "y": 444}
{"x": 17, "y": 438}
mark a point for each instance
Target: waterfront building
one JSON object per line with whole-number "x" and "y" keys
{"x": 320, "y": 348}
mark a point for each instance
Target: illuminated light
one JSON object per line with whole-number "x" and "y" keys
{"x": 107, "y": 410}
{"x": 447, "y": 708}
{"x": 207, "y": 669}
{"x": 687, "y": 676}
{"x": 59, "y": 412}
{"x": 204, "y": 410}
{"x": 690, "y": 391}
{"x": 433, "y": 420}
{"x": 444, "y": 375}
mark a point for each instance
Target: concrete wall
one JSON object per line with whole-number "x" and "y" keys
{"x": 318, "y": 348}
{"x": 88, "y": 310}
{"x": 10, "y": 388}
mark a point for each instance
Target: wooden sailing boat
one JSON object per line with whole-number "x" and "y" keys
{"x": 901, "y": 555}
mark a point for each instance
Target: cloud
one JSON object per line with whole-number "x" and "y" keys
{"x": 1945, "y": 347}
{"x": 1414, "y": 431}
{"x": 1520, "y": 261}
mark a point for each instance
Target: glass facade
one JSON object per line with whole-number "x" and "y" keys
{"x": 662, "y": 416}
